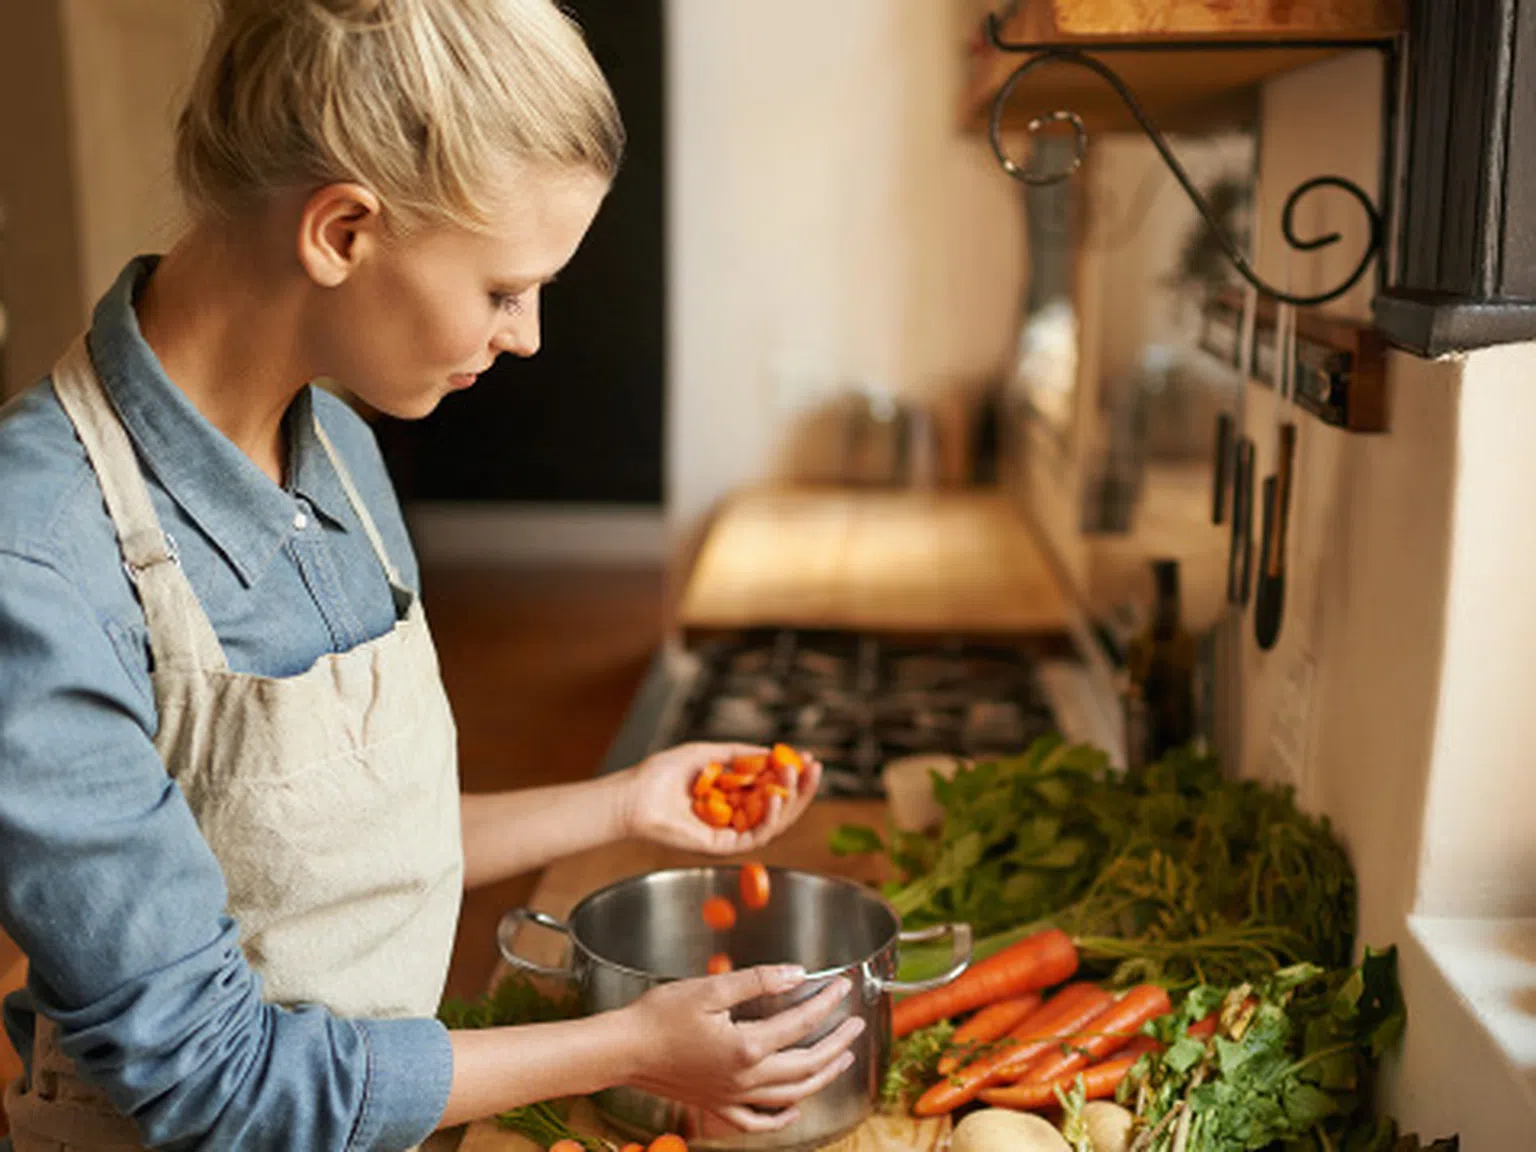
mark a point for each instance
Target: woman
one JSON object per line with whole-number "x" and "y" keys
{"x": 231, "y": 839}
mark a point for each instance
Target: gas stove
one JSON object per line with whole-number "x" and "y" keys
{"x": 857, "y": 702}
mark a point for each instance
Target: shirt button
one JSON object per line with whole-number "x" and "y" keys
{"x": 300, "y": 521}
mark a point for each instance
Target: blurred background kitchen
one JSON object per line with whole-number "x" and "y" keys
{"x": 827, "y": 396}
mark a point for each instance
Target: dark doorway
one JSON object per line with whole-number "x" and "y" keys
{"x": 581, "y": 422}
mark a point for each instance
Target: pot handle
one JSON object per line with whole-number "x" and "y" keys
{"x": 506, "y": 934}
{"x": 961, "y": 934}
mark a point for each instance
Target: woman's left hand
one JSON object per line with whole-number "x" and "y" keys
{"x": 659, "y": 801}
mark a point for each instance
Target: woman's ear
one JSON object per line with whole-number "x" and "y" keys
{"x": 339, "y": 226}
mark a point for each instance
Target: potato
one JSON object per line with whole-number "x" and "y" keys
{"x": 1003, "y": 1130}
{"x": 1108, "y": 1124}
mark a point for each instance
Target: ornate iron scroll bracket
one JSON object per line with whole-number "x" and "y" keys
{"x": 1042, "y": 55}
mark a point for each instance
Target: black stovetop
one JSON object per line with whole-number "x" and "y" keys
{"x": 858, "y": 702}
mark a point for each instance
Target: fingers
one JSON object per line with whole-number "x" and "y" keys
{"x": 797, "y": 1064}
{"x": 783, "y": 1095}
{"x": 748, "y": 1120}
{"x": 795, "y": 1024}
{"x": 733, "y": 988}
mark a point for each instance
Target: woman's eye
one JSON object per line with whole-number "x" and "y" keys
{"x": 507, "y": 301}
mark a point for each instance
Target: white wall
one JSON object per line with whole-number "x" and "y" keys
{"x": 1397, "y": 698}
{"x": 829, "y": 225}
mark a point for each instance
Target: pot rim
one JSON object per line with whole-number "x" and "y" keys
{"x": 708, "y": 869}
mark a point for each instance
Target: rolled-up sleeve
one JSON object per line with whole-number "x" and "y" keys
{"x": 117, "y": 900}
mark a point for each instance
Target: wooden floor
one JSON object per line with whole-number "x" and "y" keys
{"x": 540, "y": 667}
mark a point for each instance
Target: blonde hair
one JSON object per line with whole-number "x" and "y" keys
{"x": 422, "y": 101}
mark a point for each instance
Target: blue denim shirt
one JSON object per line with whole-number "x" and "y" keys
{"x": 105, "y": 881}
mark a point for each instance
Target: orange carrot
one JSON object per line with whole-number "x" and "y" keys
{"x": 719, "y": 913}
{"x": 790, "y": 764}
{"x": 705, "y": 781}
{"x": 1105, "y": 1035}
{"x": 1099, "y": 1082}
{"x": 1062, "y": 1015}
{"x": 992, "y": 1023}
{"x": 1039, "y": 961}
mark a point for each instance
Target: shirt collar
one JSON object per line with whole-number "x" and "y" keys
{"x": 236, "y": 505}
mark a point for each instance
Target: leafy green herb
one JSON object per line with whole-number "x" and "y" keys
{"x": 1074, "y": 1129}
{"x": 1290, "y": 1062}
{"x": 545, "y": 1126}
{"x": 516, "y": 1000}
{"x": 1172, "y": 872}
{"x": 854, "y": 839}
{"x": 914, "y": 1065}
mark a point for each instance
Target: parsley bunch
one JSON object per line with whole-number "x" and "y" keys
{"x": 1290, "y": 1063}
{"x": 1172, "y": 873}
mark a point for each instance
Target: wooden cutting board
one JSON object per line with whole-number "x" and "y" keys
{"x": 805, "y": 847}
{"x": 903, "y": 563}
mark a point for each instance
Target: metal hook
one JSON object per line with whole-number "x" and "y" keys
{"x": 1128, "y": 98}
{"x": 1021, "y": 172}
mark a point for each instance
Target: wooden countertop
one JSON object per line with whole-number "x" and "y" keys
{"x": 904, "y": 563}
{"x": 805, "y": 847}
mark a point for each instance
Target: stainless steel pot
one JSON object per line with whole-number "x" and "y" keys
{"x": 647, "y": 930}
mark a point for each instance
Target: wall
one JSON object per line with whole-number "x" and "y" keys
{"x": 39, "y": 257}
{"x": 88, "y": 94}
{"x": 829, "y": 226}
{"x": 1397, "y": 698}
{"x": 131, "y": 62}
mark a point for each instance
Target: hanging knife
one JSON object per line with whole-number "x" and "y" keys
{"x": 1269, "y": 607}
{"x": 1240, "y": 558}
{"x": 1222, "y": 470}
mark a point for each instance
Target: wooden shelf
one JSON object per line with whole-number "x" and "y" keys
{"x": 1193, "y": 90}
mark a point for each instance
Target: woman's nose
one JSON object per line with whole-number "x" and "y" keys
{"x": 520, "y": 334}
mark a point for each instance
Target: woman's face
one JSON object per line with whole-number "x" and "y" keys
{"x": 418, "y": 316}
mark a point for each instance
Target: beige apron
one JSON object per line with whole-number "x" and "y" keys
{"x": 330, "y": 798}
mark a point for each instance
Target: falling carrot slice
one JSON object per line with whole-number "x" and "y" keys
{"x": 754, "y": 885}
{"x": 719, "y": 913}
{"x": 719, "y": 964}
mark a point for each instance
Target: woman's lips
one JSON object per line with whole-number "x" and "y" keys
{"x": 463, "y": 380}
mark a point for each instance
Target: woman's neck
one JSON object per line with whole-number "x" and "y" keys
{"x": 225, "y": 327}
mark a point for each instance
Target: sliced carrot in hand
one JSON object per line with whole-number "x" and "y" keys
{"x": 720, "y": 810}
{"x": 786, "y": 758}
{"x": 719, "y": 964}
{"x": 753, "y": 765}
{"x": 704, "y": 782}
{"x": 719, "y": 913}
{"x": 754, "y": 885}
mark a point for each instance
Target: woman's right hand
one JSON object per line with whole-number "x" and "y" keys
{"x": 744, "y": 1072}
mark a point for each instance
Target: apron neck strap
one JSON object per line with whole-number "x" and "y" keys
{"x": 369, "y": 527}
{"x": 180, "y": 634}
